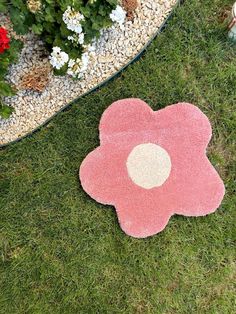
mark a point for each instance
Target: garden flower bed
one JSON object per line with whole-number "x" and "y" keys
{"x": 104, "y": 57}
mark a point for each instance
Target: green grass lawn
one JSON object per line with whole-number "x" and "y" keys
{"x": 61, "y": 252}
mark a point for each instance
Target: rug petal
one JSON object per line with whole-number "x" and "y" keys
{"x": 200, "y": 190}
{"x": 141, "y": 218}
{"x": 124, "y": 117}
{"x": 103, "y": 173}
{"x": 185, "y": 123}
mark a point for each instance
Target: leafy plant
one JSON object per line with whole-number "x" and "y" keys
{"x": 45, "y": 18}
{"x": 8, "y": 55}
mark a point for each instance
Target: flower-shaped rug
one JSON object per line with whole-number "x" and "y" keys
{"x": 151, "y": 165}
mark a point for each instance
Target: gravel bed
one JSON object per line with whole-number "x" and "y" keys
{"x": 114, "y": 50}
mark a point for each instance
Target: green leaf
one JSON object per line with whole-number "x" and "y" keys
{"x": 112, "y": 2}
{"x": 37, "y": 29}
{"x": 65, "y": 32}
{"x": 95, "y": 26}
{"x": 3, "y": 6}
{"x": 5, "y": 111}
{"x": 15, "y": 48}
{"x": 85, "y": 11}
{"x": 50, "y": 14}
{"x": 18, "y": 4}
{"x": 62, "y": 70}
{"x": 6, "y": 89}
{"x": 18, "y": 20}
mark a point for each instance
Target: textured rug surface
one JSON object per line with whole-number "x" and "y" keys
{"x": 151, "y": 165}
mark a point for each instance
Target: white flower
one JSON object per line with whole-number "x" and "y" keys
{"x": 71, "y": 67}
{"x": 85, "y": 61}
{"x": 71, "y": 63}
{"x": 91, "y": 47}
{"x": 71, "y": 38}
{"x": 78, "y": 38}
{"x": 118, "y": 15}
{"x": 78, "y": 67}
{"x": 81, "y": 38}
{"x": 72, "y": 20}
{"x": 74, "y": 67}
{"x": 58, "y": 58}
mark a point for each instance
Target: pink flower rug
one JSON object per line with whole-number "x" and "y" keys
{"x": 151, "y": 165}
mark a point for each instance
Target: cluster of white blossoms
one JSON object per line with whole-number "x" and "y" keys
{"x": 118, "y": 15}
{"x": 73, "y": 19}
{"x": 78, "y": 39}
{"x": 78, "y": 67}
{"x": 58, "y": 58}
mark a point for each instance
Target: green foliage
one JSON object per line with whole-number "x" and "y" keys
{"x": 6, "y": 89}
{"x": 47, "y": 21}
{"x": 3, "y": 6}
{"x": 20, "y": 16}
{"x": 8, "y": 57}
{"x": 5, "y": 111}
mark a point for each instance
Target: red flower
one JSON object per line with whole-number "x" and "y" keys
{"x": 4, "y": 40}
